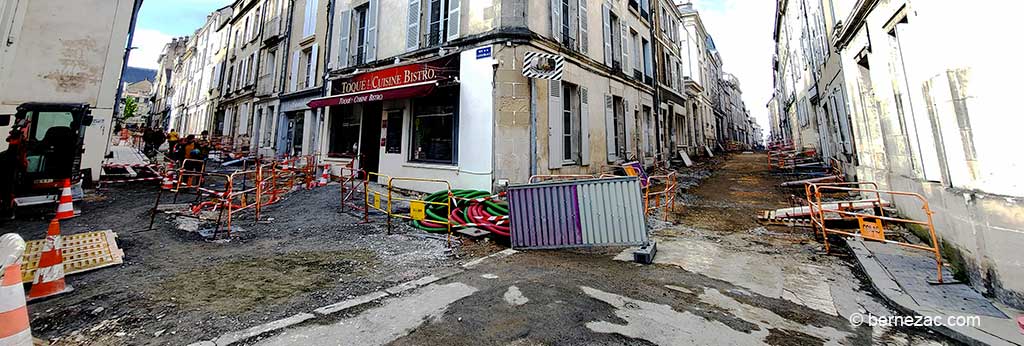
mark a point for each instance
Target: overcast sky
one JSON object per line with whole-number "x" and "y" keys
{"x": 742, "y": 30}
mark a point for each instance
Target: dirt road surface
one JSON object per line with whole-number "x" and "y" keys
{"x": 720, "y": 278}
{"x": 175, "y": 288}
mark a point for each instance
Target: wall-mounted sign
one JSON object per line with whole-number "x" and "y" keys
{"x": 484, "y": 52}
{"x": 543, "y": 65}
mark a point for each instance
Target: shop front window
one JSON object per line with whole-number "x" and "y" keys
{"x": 394, "y": 134}
{"x": 435, "y": 128}
{"x": 344, "y": 134}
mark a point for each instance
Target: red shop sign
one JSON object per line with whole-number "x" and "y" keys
{"x": 406, "y": 81}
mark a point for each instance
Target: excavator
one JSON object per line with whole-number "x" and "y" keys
{"x": 44, "y": 147}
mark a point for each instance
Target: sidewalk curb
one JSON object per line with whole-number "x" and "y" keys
{"x": 890, "y": 291}
{"x": 235, "y": 337}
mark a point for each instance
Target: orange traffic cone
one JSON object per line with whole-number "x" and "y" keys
{"x": 14, "y": 326}
{"x": 168, "y": 181}
{"x": 65, "y": 208}
{"x": 49, "y": 279}
{"x": 325, "y": 177}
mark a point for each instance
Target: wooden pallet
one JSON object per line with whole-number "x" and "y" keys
{"x": 82, "y": 252}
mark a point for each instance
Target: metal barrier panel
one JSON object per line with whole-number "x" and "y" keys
{"x": 545, "y": 216}
{"x": 578, "y": 213}
{"x": 612, "y": 212}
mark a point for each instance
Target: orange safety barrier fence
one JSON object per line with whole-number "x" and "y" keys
{"x": 871, "y": 226}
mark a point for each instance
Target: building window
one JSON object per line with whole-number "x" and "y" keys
{"x": 393, "y": 143}
{"x": 307, "y": 56}
{"x": 344, "y": 134}
{"x": 435, "y": 23}
{"x": 434, "y": 127}
{"x": 231, "y": 75}
{"x": 360, "y": 16}
{"x": 619, "y": 118}
{"x": 634, "y": 45}
{"x": 616, "y": 38}
{"x": 270, "y": 70}
{"x": 566, "y": 19}
{"x": 648, "y": 124}
{"x": 570, "y": 124}
{"x": 309, "y": 24}
{"x": 647, "y": 59}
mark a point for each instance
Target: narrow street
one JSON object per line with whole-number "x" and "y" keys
{"x": 720, "y": 279}
{"x": 509, "y": 172}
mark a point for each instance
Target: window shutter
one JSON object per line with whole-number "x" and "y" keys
{"x": 582, "y": 18}
{"x": 584, "y": 127}
{"x": 371, "y": 31}
{"x": 314, "y": 63}
{"x": 311, "y": 8}
{"x": 412, "y": 36}
{"x": 573, "y": 23}
{"x": 293, "y": 75}
{"x": 555, "y": 124}
{"x": 607, "y": 22}
{"x": 624, "y": 30}
{"x": 556, "y": 20}
{"x": 343, "y": 43}
{"x": 609, "y": 127}
{"x": 454, "y": 18}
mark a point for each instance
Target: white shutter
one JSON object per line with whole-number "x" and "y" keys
{"x": 582, "y": 17}
{"x": 343, "y": 43}
{"x": 311, "y": 13}
{"x": 584, "y": 127}
{"x": 293, "y": 75}
{"x": 607, "y": 22}
{"x": 306, "y": 18}
{"x": 314, "y": 64}
{"x": 454, "y": 18}
{"x": 371, "y": 31}
{"x": 555, "y": 124}
{"x": 573, "y": 23}
{"x": 412, "y": 36}
{"x": 556, "y": 20}
{"x": 622, "y": 47}
{"x": 609, "y": 126}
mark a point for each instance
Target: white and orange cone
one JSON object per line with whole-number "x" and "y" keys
{"x": 168, "y": 182}
{"x": 65, "y": 208}
{"x": 325, "y": 177}
{"x": 14, "y": 323}
{"x": 49, "y": 278}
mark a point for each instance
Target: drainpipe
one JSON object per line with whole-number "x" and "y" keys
{"x": 257, "y": 126}
{"x": 533, "y": 126}
{"x": 654, "y": 71}
{"x": 286, "y": 59}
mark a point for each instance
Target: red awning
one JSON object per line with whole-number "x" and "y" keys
{"x": 403, "y": 92}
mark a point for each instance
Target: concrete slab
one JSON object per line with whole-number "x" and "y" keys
{"x": 907, "y": 300}
{"x": 380, "y": 325}
{"x": 231, "y": 338}
{"x": 913, "y": 269}
{"x": 347, "y": 304}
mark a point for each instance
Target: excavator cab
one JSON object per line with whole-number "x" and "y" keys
{"x": 44, "y": 147}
